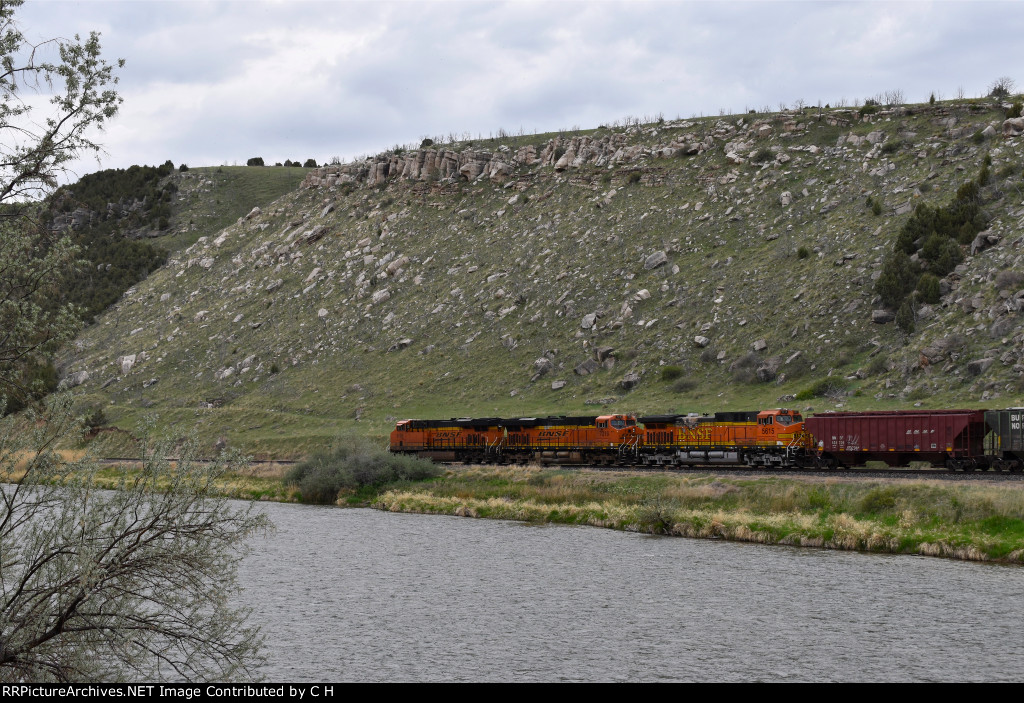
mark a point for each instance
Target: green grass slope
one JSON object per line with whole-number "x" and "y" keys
{"x": 211, "y": 198}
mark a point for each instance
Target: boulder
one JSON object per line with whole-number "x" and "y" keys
{"x": 588, "y": 321}
{"x": 542, "y": 366}
{"x": 397, "y": 265}
{"x": 557, "y": 385}
{"x": 983, "y": 240}
{"x": 768, "y": 369}
{"x": 587, "y": 367}
{"x": 76, "y": 379}
{"x": 979, "y": 366}
{"x": 786, "y": 198}
{"x": 126, "y": 363}
{"x": 655, "y": 260}
{"x": 759, "y": 345}
{"x": 1013, "y": 127}
{"x": 881, "y": 317}
{"x": 630, "y": 380}
{"x": 701, "y": 341}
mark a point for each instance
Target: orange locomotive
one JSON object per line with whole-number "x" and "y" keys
{"x": 766, "y": 438}
{"x": 770, "y": 437}
{"x": 563, "y": 440}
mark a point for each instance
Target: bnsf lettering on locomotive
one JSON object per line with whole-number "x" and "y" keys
{"x": 697, "y": 433}
{"x": 544, "y": 434}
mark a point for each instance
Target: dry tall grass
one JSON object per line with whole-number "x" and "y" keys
{"x": 962, "y": 520}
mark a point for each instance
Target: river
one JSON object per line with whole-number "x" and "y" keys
{"x": 362, "y": 595}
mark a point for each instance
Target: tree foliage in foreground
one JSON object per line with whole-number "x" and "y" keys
{"x": 38, "y": 144}
{"x": 132, "y": 584}
{"x": 33, "y": 264}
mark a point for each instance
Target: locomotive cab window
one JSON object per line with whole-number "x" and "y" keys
{"x": 766, "y": 420}
{"x": 783, "y": 420}
{"x": 618, "y": 424}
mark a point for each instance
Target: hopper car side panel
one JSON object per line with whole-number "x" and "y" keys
{"x": 951, "y": 438}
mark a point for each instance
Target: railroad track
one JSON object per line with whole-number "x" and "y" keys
{"x": 888, "y": 473}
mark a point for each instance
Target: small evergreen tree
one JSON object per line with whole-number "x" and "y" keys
{"x": 905, "y": 317}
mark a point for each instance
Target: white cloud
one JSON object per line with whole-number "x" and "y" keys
{"x": 216, "y": 82}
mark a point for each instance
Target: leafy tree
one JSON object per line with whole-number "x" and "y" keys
{"x": 255, "y": 161}
{"x": 131, "y": 584}
{"x": 36, "y": 148}
{"x": 310, "y": 163}
{"x": 1002, "y": 87}
{"x": 31, "y": 327}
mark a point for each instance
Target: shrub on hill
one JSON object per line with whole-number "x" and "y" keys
{"x": 935, "y": 235}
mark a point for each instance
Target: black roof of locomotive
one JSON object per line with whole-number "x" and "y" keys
{"x": 739, "y": 416}
{"x": 515, "y": 422}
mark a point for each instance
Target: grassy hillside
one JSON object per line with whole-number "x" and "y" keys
{"x": 735, "y": 276}
{"x": 211, "y": 198}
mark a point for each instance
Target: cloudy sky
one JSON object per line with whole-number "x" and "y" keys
{"x": 210, "y": 83}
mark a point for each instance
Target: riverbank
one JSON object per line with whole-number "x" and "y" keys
{"x": 974, "y": 520}
{"x": 978, "y": 521}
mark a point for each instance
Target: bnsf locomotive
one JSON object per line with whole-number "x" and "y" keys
{"x": 955, "y": 439}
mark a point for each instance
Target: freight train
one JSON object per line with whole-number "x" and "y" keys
{"x": 956, "y": 439}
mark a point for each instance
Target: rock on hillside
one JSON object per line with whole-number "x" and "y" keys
{"x": 550, "y": 274}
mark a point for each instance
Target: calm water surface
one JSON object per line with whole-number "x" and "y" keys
{"x": 369, "y": 596}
